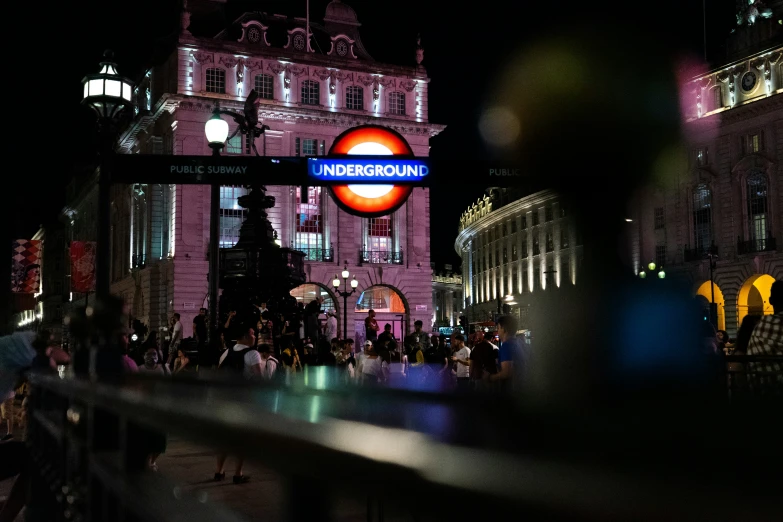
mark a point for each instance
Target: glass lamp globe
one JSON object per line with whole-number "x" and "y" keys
{"x": 345, "y": 273}
{"x": 651, "y": 266}
{"x": 336, "y": 281}
{"x": 216, "y": 130}
{"x": 354, "y": 282}
{"x": 642, "y": 274}
{"x": 661, "y": 274}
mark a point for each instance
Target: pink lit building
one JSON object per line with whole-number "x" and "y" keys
{"x": 311, "y": 92}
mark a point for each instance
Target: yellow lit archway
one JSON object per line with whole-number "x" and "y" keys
{"x": 754, "y": 296}
{"x": 705, "y": 291}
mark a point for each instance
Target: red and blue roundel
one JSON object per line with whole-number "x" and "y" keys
{"x": 367, "y": 200}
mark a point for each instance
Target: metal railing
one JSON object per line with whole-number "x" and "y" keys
{"x": 756, "y": 245}
{"x": 318, "y": 254}
{"x": 698, "y": 254}
{"x": 510, "y": 461}
{"x": 139, "y": 261}
{"x": 381, "y": 257}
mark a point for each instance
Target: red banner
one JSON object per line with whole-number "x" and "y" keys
{"x": 82, "y": 266}
{"x": 26, "y": 266}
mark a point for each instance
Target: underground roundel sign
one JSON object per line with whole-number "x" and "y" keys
{"x": 371, "y": 191}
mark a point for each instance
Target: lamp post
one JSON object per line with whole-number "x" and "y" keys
{"x": 216, "y": 130}
{"x": 651, "y": 266}
{"x": 344, "y": 294}
{"x": 109, "y": 95}
{"x": 713, "y": 258}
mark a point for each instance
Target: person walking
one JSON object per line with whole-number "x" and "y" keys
{"x": 767, "y": 340}
{"x": 176, "y": 339}
{"x": 245, "y": 360}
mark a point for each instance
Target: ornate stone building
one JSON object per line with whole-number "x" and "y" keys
{"x": 726, "y": 202}
{"x": 448, "y": 303}
{"x": 311, "y": 89}
{"x": 513, "y": 246}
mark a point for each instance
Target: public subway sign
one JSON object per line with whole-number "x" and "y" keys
{"x": 367, "y": 170}
{"x": 380, "y": 181}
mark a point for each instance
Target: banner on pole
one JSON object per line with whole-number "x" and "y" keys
{"x": 82, "y": 266}
{"x": 26, "y": 266}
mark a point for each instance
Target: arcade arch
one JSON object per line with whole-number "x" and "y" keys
{"x": 753, "y": 296}
{"x": 390, "y": 307}
{"x": 309, "y": 291}
{"x": 706, "y": 292}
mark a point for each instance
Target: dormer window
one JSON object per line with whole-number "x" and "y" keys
{"x": 216, "y": 80}
{"x": 298, "y": 41}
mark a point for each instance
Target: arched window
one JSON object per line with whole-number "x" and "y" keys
{"x": 354, "y": 98}
{"x": 309, "y": 291}
{"x": 757, "y": 209}
{"x": 309, "y": 224}
{"x": 311, "y": 93}
{"x": 702, "y": 218}
{"x": 397, "y": 103}
{"x": 381, "y": 299}
{"x": 263, "y": 86}
{"x": 216, "y": 80}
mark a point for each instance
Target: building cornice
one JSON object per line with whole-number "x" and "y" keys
{"x": 496, "y": 216}
{"x": 751, "y": 109}
{"x": 240, "y": 50}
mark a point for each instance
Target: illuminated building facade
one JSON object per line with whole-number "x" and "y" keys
{"x": 727, "y": 200}
{"x": 513, "y": 247}
{"x": 311, "y": 89}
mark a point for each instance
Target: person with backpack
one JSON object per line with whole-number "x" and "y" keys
{"x": 270, "y": 363}
{"x": 241, "y": 358}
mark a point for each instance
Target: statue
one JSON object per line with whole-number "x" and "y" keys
{"x": 419, "y": 50}
{"x": 247, "y": 122}
{"x": 750, "y": 11}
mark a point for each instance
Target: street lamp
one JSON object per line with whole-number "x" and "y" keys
{"x": 344, "y": 294}
{"x": 216, "y": 130}
{"x": 109, "y": 95}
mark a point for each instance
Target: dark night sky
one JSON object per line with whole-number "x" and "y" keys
{"x": 464, "y": 49}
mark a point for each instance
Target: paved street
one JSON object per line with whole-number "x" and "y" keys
{"x": 192, "y": 468}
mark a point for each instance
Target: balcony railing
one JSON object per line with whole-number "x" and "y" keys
{"x": 756, "y": 245}
{"x": 698, "y": 254}
{"x": 139, "y": 261}
{"x": 318, "y": 254}
{"x": 380, "y": 257}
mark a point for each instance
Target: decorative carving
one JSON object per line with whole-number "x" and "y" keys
{"x": 749, "y": 10}
{"x": 408, "y": 85}
{"x": 240, "y": 70}
{"x": 332, "y": 86}
{"x": 202, "y": 58}
{"x": 376, "y": 90}
{"x": 185, "y": 18}
{"x": 229, "y": 61}
{"x": 297, "y": 70}
{"x": 254, "y": 64}
{"x": 387, "y": 82}
{"x": 323, "y": 73}
{"x": 342, "y": 76}
{"x": 365, "y": 80}
{"x": 723, "y": 76}
{"x": 419, "y": 50}
{"x": 275, "y": 67}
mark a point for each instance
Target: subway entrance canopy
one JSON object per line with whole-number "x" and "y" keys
{"x": 370, "y": 171}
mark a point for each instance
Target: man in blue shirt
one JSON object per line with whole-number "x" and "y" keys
{"x": 509, "y": 354}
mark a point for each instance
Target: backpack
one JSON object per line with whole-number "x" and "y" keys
{"x": 235, "y": 360}
{"x": 271, "y": 375}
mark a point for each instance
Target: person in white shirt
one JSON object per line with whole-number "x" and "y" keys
{"x": 462, "y": 358}
{"x": 176, "y": 339}
{"x": 372, "y": 368}
{"x": 245, "y": 358}
{"x": 331, "y": 325}
{"x": 270, "y": 364}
